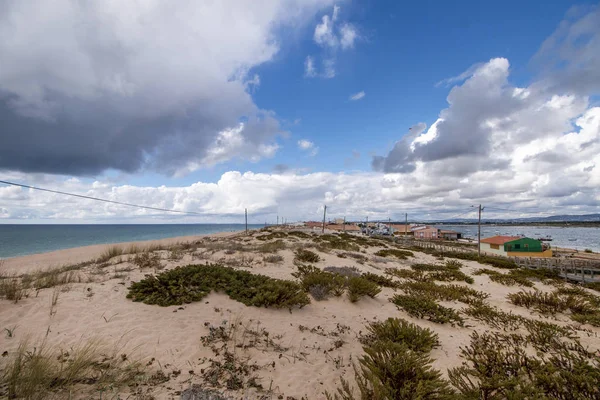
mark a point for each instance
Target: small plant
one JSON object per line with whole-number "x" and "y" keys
{"x": 325, "y": 281}
{"x": 425, "y": 307}
{"x": 12, "y": 288}
{"x": 273, "y": 259}
{"x": 405, "y": 274}
{"x": 272, "y": 247}
{"x": 147, "y": 260}
{"x": 400, "y": 254}
{"x": 588, "y": 251}
{"x": 10, "y": 332}
{"x": 303, "y": 255}
{"x": 379, "y": 280}
{"x": 398, "y": 330}
{"x": 505, "y": 279}
{"x": 359, "y": 287}
{"x": 344, "y": 271}
{"x": 451, "y": 292}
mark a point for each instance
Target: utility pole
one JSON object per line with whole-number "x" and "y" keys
{"x": 479, "y": 232}
{"x": 405, "y": 225}
{"x": 246, "y": 213}
{"x": 344, "y": 224}
{"x": 324, "y": 212}
{"x": 278, "y": 220}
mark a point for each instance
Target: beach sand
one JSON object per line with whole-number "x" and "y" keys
{"x": 312, "y": 348}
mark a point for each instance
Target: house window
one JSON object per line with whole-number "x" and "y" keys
{"x": 517, "y": 246}
{"x": 526, "y": 246}
{"x": 495, "y": 246}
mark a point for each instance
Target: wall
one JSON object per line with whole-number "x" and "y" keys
{"x": 485, "y": 248}
{"x": 542, "y": 254}
{"x": 533, "y": 245}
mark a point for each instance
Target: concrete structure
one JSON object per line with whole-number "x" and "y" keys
{"x": 401, "y": 229}
{"x": 338, "y": 221}
{"x": 449, "y": 235}
{"x": 514, "y": 246}
{"x": 425, "y": 232}
{"x": 341, "y": 227}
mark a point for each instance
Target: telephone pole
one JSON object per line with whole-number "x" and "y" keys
{"x": 479, "y": 232}
{"x": 344, "y": 224}
{"x": 324, "y": 212}
{"x": 405, "y": 225}
{"x": 246, "y": 214}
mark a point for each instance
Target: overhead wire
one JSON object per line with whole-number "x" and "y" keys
{"x": 99, "y": 199}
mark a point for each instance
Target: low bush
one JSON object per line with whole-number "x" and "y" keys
{"x": 357, "y": 256}
{"x": 147, "y": 260}
{"x": 193, "y": 282}
{"x": 272, "y": 235}
{"x": 498, "y": 262}
{"x": 588, "y": 251}
{"x": 273, "y": 258}
{"x": 498, "y": 366}
{"x": 405, "y": 274}
{"x": 400, "y": 254}
{"x": 433, "y": 272}
{"x": 493, "y": 316}
{"x": 303, "y": 255}
{"x": 397, "y": 330}
{"x": 504, "y": 279}
{"x": 380, "y": 280}
{"x": 327, "y": 282}
{"x": 451, "y": 292}
{"x": 272, "y": 247}
{"x": 299, "y": 234}
{"x": 338, "y": 243}
{"x": 593, "y": 285}
{"x": 359, "y": 287}
{"x": 425, "y": 307}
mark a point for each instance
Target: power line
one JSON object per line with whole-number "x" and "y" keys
{"x": 98, "y": 199}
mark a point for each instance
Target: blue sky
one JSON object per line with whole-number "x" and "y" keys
{"x": 213, "y": 102}
{"x": 403, "y": 51}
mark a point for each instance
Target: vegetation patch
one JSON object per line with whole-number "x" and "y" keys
{"x": 396, "y": 365}
{"x": 273, "y": 259}
{"x": 405, "y": 274}
{"x": 498, "y": 366}
{"x": 272, "y": 247}
{"x": 379, "y": 279}
{"x": 307, "y": 256}
{"x": 147, "y": 260}
{"x": 359, "y": 287}
{"x": 448, "y": 272}
{"x": 36, "y": 372}
{"x": 342, "y": 242}
{"x": 193, "y": 282}
{"x": 398, "y": 330}
{"x": 426, "y": 307}
{"x": 498, "y": 262}
{"x": 400, "y": 254}
{"x": 451, "y": 292}
{"x": 505, "y": 279}
{"x": 320, "y": 283}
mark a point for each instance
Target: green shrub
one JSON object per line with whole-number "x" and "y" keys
{"x": 299, "y": 234}
{"x": 400, "y": 254}
{"x": 498, "y": 366}
{"x": 341, "y": 242}
{"x": 303, "y": 255}
{"x": 397, "y": 330}
{"x": 405, "y": 274}
{"x": 505, "y": 279}
{"x": 12, "y": 289}
{"x": 450, "y": 292}
{"x": 392, "y": 371}
{"x": 433, "y": 272}
{"x": 378, "y": 279}
{"x": 493, "y": 316}
{"x": 359, "y": 287}
{"x": 425, "y": 307}
{"x": 588, "y": 251}
{"x": 193, "y": 282}
{"x": 453, "y": 264}
{"x": 273, "y": 258}
{"x": 327, "y": 282}
{"x": 273, "y": 235}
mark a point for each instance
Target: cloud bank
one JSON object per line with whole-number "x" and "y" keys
{"x": 91, "y": 86}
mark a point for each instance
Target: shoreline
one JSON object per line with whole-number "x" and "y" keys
{"x": 80, "y": 254}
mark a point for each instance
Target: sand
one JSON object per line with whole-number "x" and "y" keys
{"x": 316, "y": 344}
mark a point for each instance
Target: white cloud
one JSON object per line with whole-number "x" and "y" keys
{"x": 331, "y": 37}
{"x": 348, "y": 36}
{"x": 151, "y": 85}
{"x": 307, "y": 145}
{"x": 309, "y": 67}
{"x": 357, "y": 96}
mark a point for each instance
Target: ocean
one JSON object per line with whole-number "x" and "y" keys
{"x": 579, "y": 238}
{"x": 21, "y": 240}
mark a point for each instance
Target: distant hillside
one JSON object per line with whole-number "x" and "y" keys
{"x": 550, "y": 219}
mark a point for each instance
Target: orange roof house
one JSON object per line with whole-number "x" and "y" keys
{"x": 498, "y": 240}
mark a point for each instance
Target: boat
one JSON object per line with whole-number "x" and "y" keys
{"x": 572, "y": 240}
{"x": 547, "y": 238}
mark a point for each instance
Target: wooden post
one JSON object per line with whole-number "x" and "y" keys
{"x": 246, "y": 213}
{"x": 324, "y": 213}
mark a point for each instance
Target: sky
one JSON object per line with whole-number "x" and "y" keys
{"x": 373, "y": 108}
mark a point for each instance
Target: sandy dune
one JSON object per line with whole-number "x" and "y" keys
{"x": 313, "y": 346}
